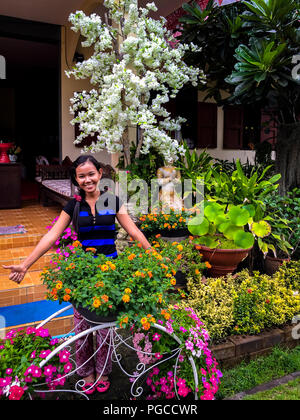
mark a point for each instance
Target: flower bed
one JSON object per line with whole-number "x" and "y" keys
{"x": 246, "y": 304}
{"x": 21, "y": 352}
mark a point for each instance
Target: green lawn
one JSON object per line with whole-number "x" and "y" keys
{"x": 247, "y": 376}
{"x": 287, "y": 392}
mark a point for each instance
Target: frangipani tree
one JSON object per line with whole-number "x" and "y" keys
{"x": 136, "y": 67}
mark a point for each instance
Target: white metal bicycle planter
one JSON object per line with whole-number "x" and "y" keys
{"x": 114, "y": 340}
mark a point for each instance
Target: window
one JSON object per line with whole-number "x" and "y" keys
{"x": 207, "y": 125}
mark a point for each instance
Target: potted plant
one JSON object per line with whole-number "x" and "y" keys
{"x": 226, "y": 234}
{"x": 125, "y": 290}
{"x": 285, "y": 237}
{"x": 21, "y": 352}
{"x": 13, "y": 153}
{"x": 170, "y": 225}
{"x": 186, "y": 260}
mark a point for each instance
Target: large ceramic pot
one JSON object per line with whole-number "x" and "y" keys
{"x": 4, "y": 147}
{"x": 222, "y": 261}
{"x": 93, "y": 318}
{"x": 272, "y": 265}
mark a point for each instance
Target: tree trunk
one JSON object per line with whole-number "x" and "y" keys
{"x": 288, "y": 157}
{"x": 126, "y": 148}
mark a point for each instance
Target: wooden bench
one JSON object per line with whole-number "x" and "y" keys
{"x": 55, "y": 183}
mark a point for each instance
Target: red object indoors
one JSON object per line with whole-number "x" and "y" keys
{"x": 4, "y": 147}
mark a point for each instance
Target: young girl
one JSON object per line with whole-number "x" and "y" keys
{"x": 95, "y": 228}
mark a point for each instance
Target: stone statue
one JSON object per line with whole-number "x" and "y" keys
{"x": 167, "y": 178}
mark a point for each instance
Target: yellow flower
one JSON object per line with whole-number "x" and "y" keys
{"x": 126, "y": 298}
{"x": 179, "y": 247}
{"x": 96, "y": 303}
{"x": 173, "y": 281}
{"x": 104, "y": 267}
{"x": 59, "y": 285}
{"x": 128, "y": 291}
{"x": 144, "y": 320}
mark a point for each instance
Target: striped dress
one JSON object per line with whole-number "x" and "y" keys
{"x": 97, "y": 232}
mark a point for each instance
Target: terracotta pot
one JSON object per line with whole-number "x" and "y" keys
{"x": 223, "y": 261}
{"x": 272, "y": 265}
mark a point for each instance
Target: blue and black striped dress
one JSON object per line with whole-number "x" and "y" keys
{"x": 97, "y": 232}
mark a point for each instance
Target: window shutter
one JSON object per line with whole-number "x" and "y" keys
{"x": 233, "y": 127}
{"x": 207, "y": 125}
{"x": 269, "y": 127}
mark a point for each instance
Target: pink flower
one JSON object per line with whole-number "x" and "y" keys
{"x": 77, "y": 197}
{"x": 183, "y": 391}
{"x": 158, "y": 356}
{"x": 163, "y": 381}
{"x": 156, "y": 337}
{"x": 36, "y": 372}
{"x": 8, "y": 371}
{"x": 149, "y": 381}
{"x": 44, "y": 354}
{"x": 48, "y": 371}
{"x": 155, "y": 371}
{"x": 16, "y": 393}
{"x": 64, "y": 356}
{"x": 41, "y": 332}
{"x": 68, "y": 367}
{"x": 30, "y": 330}
{"x": 189, "y": 345}
{"x": 165, "y": 389}
{"x": 181, "y": 383}
{"x": 5, "y": 381}
{"x": 33, "y": 355}
{"x": 60, "y": 380}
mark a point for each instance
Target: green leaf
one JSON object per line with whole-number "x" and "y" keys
{"x": 244, "y": 240}
{"x": 261, "y": 229}
{"x": 239, "y": 216}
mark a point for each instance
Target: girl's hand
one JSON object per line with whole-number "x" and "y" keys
{"x": 17, "y": 272}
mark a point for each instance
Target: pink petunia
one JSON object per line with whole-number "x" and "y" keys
{"x": 16, "y": 393}
{"x": 44, "y": 354}
{"x": 68, "y": 367}
{"x": 156, "y": 337}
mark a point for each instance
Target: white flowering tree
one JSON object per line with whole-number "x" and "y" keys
{"x": 136, "y": 68}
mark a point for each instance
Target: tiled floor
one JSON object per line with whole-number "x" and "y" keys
{"x": 14, "y": 248}
{"x": 34, "y": 217}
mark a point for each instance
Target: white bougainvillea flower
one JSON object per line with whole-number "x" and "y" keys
{"x": 133, "y": 79}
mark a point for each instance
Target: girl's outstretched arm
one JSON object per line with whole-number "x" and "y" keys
{"x": 128, "y": 224}
{"x": 18, "y": 271}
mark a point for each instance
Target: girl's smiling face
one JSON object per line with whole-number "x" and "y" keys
{"x": 88, "y": 177}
